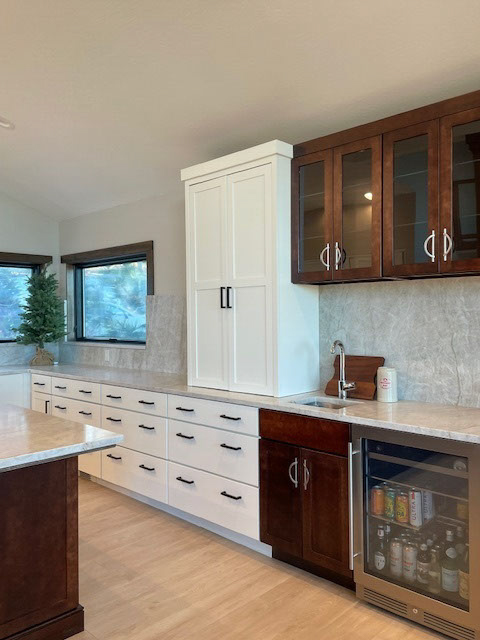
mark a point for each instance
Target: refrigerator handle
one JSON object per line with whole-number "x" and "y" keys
{"x": 351, "y": 503}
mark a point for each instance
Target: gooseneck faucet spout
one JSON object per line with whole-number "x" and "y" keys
{"x": 343, "y": 385}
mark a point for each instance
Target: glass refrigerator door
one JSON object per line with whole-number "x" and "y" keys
{"x": 416, "y": 520}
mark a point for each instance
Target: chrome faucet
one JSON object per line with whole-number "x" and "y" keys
{"x": 343, "y": 385}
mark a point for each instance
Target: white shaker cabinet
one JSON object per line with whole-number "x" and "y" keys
{"x": 249, "y": 328}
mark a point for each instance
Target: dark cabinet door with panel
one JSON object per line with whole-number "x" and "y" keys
{"x": 280, "y": 498}
{"x": 460, "y": 192}
{"x": 325, "y": 510}
{"x": 410, "y": 201}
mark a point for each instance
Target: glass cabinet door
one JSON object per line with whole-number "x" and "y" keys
{"x": 416, "y": 520}
{"x": 410, "y": 200}
{"x": 357, "y": 195}
{"x": 312, "y": 218}
{"x": 460, "y": 191}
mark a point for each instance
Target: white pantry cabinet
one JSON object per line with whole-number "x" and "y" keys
{"x": 249, "y": 328}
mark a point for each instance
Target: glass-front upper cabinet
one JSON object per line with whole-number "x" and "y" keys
{"x": 357, "y": 203}
{"x": 410, "y": 200}
{"x": 312, "y": 217}
{"x": 460, "y": 191}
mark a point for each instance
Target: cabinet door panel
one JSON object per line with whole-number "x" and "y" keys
{"x": 357, "y": 198}
{"x": 206, "y": 274}
{"x": 312, "y": 217}
{"x": 460, "y": 192}
{"x": 250, "y": 269}
{"x": 280, "y": 499}
{"x": 410, "y": 200}
{"x": 325, "y": 510}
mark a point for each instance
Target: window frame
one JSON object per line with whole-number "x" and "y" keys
{"x": 76, "y": 263}
{"x": 26, "y": 260}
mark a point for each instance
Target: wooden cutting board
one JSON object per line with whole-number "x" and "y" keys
{"x": 359, "y": 369}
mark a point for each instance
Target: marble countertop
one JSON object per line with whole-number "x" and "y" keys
{"x": 29, "y": 437}
{"x": 442, "y": 421}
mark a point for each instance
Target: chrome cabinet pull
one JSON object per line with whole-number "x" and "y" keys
{"x": 326, "y": 251}
{"x": 430, "y": 254}
{"x": 306, "y": 475}
{"x": 447, "y": 244}
{"x": 351, "y": 500}
{"x": 338, "y": 256}
{"x": 294, "y": 479}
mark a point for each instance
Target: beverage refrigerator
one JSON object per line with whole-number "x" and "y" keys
{"x": 415, "y": 539}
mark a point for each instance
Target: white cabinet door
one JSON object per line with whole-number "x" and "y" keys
{"x": 41, "y": 402}
{"x": 207, "y": 274}
{"x": 250, "y": 264}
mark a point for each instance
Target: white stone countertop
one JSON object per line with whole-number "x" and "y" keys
{"x": 442, "y": 421}
{"x": 29, "y": 437}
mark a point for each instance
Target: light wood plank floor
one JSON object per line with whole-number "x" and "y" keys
{"x": 146, "y": 575}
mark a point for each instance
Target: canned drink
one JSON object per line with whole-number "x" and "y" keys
{"x": 378, "y": 500}
{"x": 428, "y": 506}
{"x": 396, "y": 558}
{"x": 401, "y": 507}
{"x": 390, "y": 495}
{"x": 415, "y": 507}
{"x": 409, "y": 562}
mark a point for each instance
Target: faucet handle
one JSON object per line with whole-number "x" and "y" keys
{"x": 349, "y": 386}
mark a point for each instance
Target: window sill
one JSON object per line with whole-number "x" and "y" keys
{"x": 105, "y": 345}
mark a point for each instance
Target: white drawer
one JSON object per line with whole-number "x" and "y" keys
{"x": 76, "y": 410}
{"x": 136, "y": 471}
{"x": 230, "y": 504}
{"x": 76, "y": 389}
{"x": 223, "y": 415}
{"x": 41, "y": 383}
{"x": 222, "y": 452}
{"x": 135, "y": 400}
{"x": 91, "y": 463}
{"x": 143, "y": 433}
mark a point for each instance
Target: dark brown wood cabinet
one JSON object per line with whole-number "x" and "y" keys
{"x": 395, "y": 198}
{"x": 304, "y": 513}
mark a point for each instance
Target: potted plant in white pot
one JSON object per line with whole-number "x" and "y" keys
{"x": 42, "y": 318}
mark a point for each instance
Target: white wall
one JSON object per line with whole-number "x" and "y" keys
{"x": 25, "y": 230}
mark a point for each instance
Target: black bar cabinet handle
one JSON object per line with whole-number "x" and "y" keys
{"x": 180, "y": 479}
{"x": 183, "y": 409}
{"x": 85, "y": 413}
{"x": 144, "y": 426}
{"x": 110, "y": 455}
{"x": 229, "y": 302}
{"x": 222, "y": 303}
{"x": 83, "y": 391}
{"x": 39, "y": 384}
{"x": 57, "y": 406}
{"x": 145, "y": 402}
{"x": 142, "y": 466}
{"x": 56, "y": 386}
{"x": 114, "y": 419}
{"x": 180, "y": 435}
{"x": 229, "y": 417}
{"x": 227, "y": 446}
{"x": 109, "y": 395}
{"x": 229, "y": 495}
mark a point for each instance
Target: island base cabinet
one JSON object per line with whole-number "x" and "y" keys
{"x": 39, "y": 552}
{"x": 137, "y": 472}
{"x": 91, "y": 463}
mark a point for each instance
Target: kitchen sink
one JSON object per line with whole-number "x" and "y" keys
{"x": 323, "y": 403}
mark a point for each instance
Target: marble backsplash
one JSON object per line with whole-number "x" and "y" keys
{"x": 19, "y": 354}
{"x": 429, "y": 330}
{"x": 165, "y": 350}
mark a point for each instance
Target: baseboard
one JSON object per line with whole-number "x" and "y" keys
{"x": 59, "y": 628}
{"x": 255, "y": 545}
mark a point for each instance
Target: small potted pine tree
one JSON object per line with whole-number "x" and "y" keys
{"x": 42, "y": 318}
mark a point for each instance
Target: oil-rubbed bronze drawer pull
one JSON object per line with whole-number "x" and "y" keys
{"x": 180, "y": 479}
{"x": 180, "y": 435}
{"x": 229, "y": 495}
{"x": 110, "y": 455}
{"x": 114, "y": 419}
{"x": 85, "y": 413}
{"x": 227, "y": 446}
{"x": 57, "y": 406}
{"x": 142, "y": 466}
{"x": 186, "y": 410}
{"x": 145, "y": 402}
{"x": 83, "y": 391}
{"x": 229, "y": 417}
{"x": 144, "y": 426}
{"x": 109, "y": 395}
{"x": 39, "y": 384}
{"x": 57, "y": 386}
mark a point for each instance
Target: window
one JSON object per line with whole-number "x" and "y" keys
{"x": 110, "y": 289}
{"x": 15, "y": 270}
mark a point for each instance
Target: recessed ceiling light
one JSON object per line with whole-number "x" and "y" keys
{"x": 368, "y": 195}
{"x": 6, "y": 124}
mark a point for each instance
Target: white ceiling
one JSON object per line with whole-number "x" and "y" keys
{"x": 112, "y": 97}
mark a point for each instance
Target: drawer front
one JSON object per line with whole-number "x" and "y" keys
{"x": 142, "y": 432}
{"x": 135, "y": 471}
{"x": 41, "y": 383}
{"x": 222, "y": 452}
{"x": 222, "y": 415}
{"x": 330, "y": 436}
{"x": 86, "y": 391}
{"x": 77, "y": 411}
{"x": 91, "y": 463}
{"x": 230, "y": 504}
{"x": 62, "y": 387}
{"x": 135, "y": 400}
